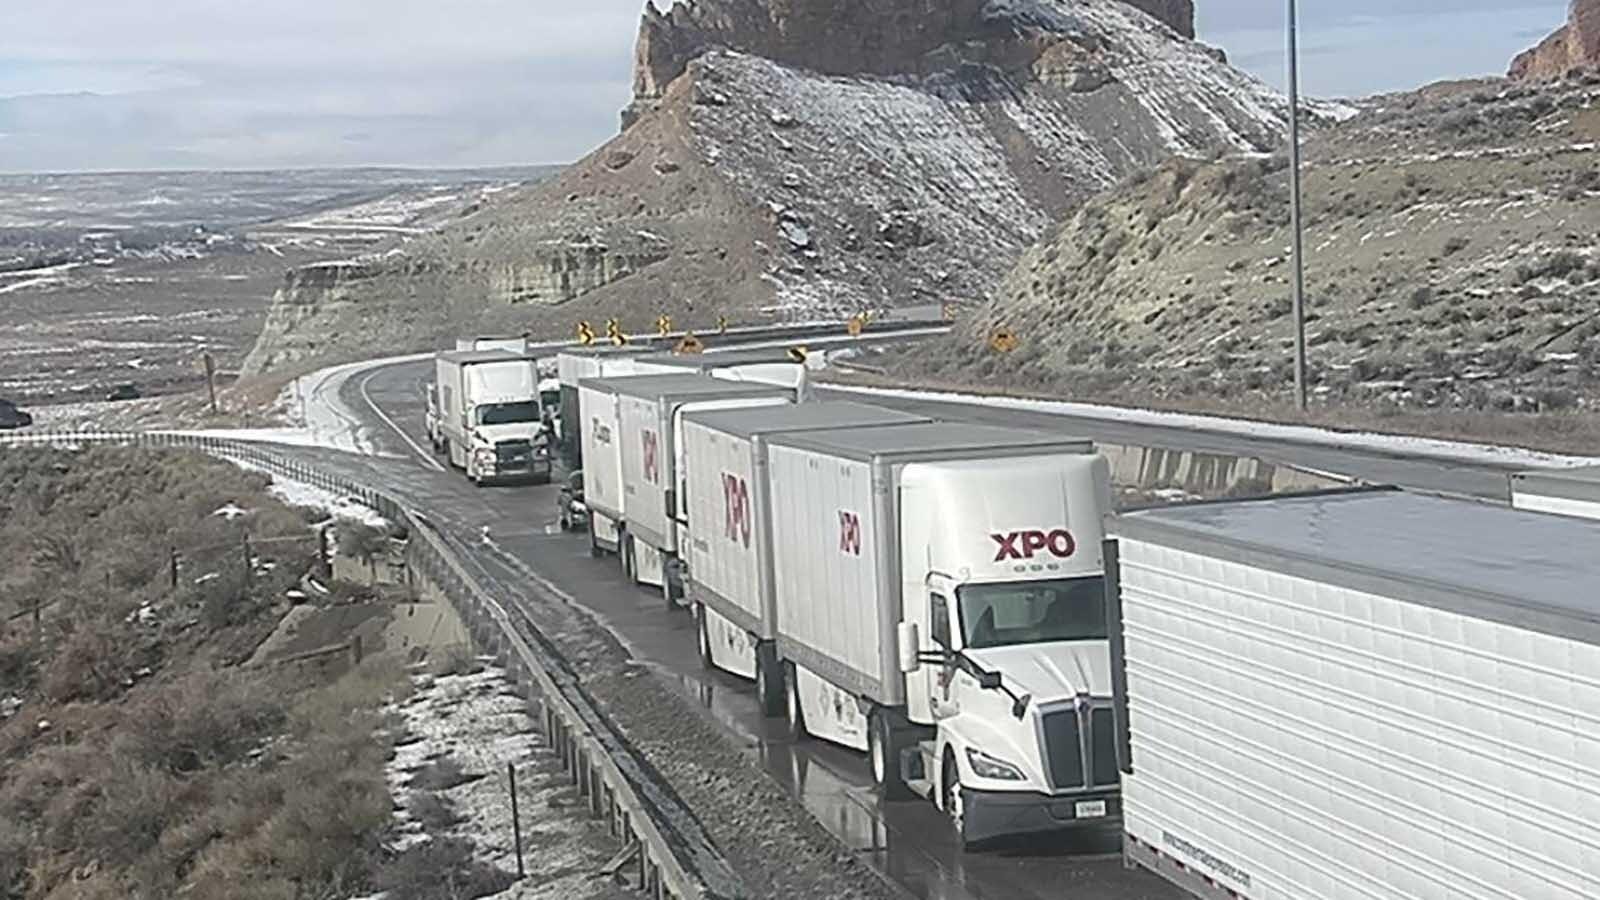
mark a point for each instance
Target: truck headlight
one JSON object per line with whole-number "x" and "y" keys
{"x": 484, "y": 454}
{"x": 986, "y": 766}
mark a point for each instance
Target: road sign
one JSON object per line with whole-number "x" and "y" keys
{"x": 722, "y": 324}
{"x": 856, "y": 325}
{"x": 690, "y": 345}
{"x": 585, "y": 334}
{"x": 948, "y": 312}
{"x": 619, "y": 339}
{"x": 664, "y": 325}
{"x": 1003, "y": 341}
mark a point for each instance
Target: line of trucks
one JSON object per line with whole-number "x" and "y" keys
{"x": 1351, "y": 694}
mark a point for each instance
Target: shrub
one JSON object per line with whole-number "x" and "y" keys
{"x": 1455, "y": 245}
{"x": 1421, "y": 297}
{"x": 440, "y": 868}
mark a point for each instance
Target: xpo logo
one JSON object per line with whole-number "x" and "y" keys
{"x": 652, "y": 456}
{"x": 736, "y": 507}
{"x": 1025, "y": 544}
{"x": 849, "y": 533}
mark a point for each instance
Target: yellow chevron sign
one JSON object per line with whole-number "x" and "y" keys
{"x": 585, "y": 334}
{"x": 664, "y": 325}
{"x": 799, "y": 354}
{"x": 722, "y": 324}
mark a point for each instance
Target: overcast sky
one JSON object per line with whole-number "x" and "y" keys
{"x": 137, "y": 84}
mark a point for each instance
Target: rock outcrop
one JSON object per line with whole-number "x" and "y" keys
{"x": 1575, "y": 45}
{"x": 855, "y": 154}
{"x": 861, "y": 37}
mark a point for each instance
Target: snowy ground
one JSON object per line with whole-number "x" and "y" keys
{"x": 480, "y": 725}
{"x": 337, "y": 506}
{"x": 1491, "y": 454}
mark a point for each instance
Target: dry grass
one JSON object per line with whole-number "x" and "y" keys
{"x": 144, "y": 762}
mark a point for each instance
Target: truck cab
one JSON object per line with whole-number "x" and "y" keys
{"x": 940, "y": 605}
{"x": 487, "y": 413}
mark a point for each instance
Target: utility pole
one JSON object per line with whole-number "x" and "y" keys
{"x": 211, "y": 379}
{"x": 1295, "y": 223}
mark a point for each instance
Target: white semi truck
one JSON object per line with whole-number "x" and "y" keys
{"x": 631, "y": 471}
{"x": 1567, "y": 492}
{"x": 485, "y": 414}
{"x": 729, "y": 539}
{"x": 1360, "y": 695}
{"x": 939, "y": 604}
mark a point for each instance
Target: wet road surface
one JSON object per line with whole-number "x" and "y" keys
{"x": 911, "y": 841}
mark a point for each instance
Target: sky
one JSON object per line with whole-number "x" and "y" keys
{"x": 171, "y": 84}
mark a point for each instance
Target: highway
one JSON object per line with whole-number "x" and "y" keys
{"x": 910, "y": 842}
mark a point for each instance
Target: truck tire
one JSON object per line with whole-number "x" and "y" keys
{"x": 950, "y": 798}
{"x": 769, "y": 680}
{"x": 703, "y": 637}
{"x": 885, "y": 739}
{"x": 794, "y": 714}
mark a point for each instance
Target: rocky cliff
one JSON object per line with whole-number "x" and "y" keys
{"x": 1575, "y": 45}
{"x": 865, "y": 37}
{"x": 1451, "y": 263}
{"x": 841, "y": 164}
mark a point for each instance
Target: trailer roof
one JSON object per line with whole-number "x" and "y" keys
{"x": 474, "y": 357}
{"x": 1530, "y": 570}
{"x": 931, "y": 440}
{"x": 827, "y": 414}
{"x": 1578, "y": 484}
{"x": 716, "y": 359}
{"x": 691, "y": 384}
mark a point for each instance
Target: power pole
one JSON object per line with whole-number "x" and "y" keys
{"x": 1295, "y": 223}
{"x": 211, "y": 379}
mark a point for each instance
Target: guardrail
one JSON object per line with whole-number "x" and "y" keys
{"x": 675, "y": 859}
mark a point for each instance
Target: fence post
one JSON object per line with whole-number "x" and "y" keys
{"x": 516, "y": 818}
{"x": 172, "y": 566}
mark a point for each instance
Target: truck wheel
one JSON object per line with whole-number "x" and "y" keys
{"x": 703, "y": 637}
{"x": 883, "y": 754}
{"x": 793, "y": 713}
{"x": 769, "y": 681}
{"x": 950, "y": 798}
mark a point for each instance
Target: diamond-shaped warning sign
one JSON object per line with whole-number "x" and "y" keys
{"x": 1003, "y": 341}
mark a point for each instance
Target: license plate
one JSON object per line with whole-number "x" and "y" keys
{"x": 1089, "y": 809}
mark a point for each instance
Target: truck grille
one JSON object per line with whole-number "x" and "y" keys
{"x": 1062, "y": 749}
{"x": 1103, "y": 747}
{"x": 514, "y": 453}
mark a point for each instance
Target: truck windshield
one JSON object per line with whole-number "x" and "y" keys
{"x": 1032, "y": 612}
{"x": 508, "y": 413}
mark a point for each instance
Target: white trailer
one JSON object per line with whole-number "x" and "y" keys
{"x": 649, "y": 411}
{"x": 940, "y": 605}
{"x": 486, "y": 415}
{"x": 517, "y": 345}
{"x": 1567, "y": 492}
{"x": 729, "y": 539}
{"x": 1360, "y": 695}
{"x": 573, "y": 366}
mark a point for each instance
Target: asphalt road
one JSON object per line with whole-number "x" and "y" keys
{"x": 909, "y": 841}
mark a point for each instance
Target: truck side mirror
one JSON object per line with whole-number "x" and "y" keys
{"x": 910, "y": 648}
{"x": 989, "y": 681}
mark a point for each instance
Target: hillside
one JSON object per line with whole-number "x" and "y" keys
{"x": 788, "y": 160}
{"x": 1452, "y": 263}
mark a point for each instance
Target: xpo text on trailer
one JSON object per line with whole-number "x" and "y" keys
{"x": 939, "y": 604}
{"x": 631, "y": 478}
{"x": 1360, "y": 695}
{"x": 729, "y": 540}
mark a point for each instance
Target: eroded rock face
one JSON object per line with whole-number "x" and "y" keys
{"x": 1575, "y": 45}
{"x": 854, "y": 37}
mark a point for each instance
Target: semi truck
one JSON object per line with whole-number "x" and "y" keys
{"x": 729, "y": 537}
{"x": 939, "y": 604}
{"x": 1567, "y": 492}
{"x": 631, "y": 474}
{"x": 486, "y": 416}
{"x": 1363, "y": 694}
